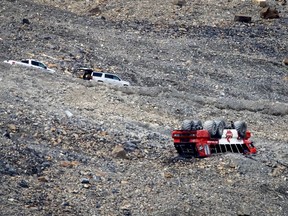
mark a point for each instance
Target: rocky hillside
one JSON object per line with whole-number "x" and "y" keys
{"x": 76, "y": 147}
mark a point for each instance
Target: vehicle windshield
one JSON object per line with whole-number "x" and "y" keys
{"x": 42, "y": 65}
{"x": 39, "y": 64}
{"x": 116, "y": 78}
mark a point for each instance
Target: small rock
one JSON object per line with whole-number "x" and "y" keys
{"x": 45, "y": 165}
{"x": 103, "y": 133}
{"x": 65, "y": 204}
{"x": 179, "y": 3}
{"x": 119, "y": 152}
{"x": 230, "y": 181}
{"x": 277, "y": 171}
{"x": 43, "y": 179}
{"x": 114, "y": 191}
{"x": 11, "y": 171}
{"x": 124, "y": 182}
{"x": 86, "y": 186}
{"x": 76, "y": 136}
{"x": 127, "y": 212}
{"x": 7, "y": 135}
{"x": 285, "y": 61}
{"x": 243, "y": 213}
{"x": 23, "y": 184}
{"x": 282, "y": 2}
{"x": 261, "y": 3}
{"x": 12, "y": 127}
{"x": 95, "y": 11}
{"x": 25, "y": 21}
{"x": 68, "y": 113}
{"x": 50, "y": 65}
{"x": 130, "y": 146}
{"x": 168, "y": 175}
{"x": 66, "y": 164}
{"x": 85, "y": 181}
{"x": 96, "y": 178}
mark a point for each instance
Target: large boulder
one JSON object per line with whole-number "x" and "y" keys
{"x": 269, "y": 13}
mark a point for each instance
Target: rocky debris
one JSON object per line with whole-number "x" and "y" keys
{"x": 269, "y": 13}
{"x": 278, "y": 170}
{"x": 185, "y": 62}
{"x": 282, "y": 2}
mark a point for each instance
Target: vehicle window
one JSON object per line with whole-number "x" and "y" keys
{"x": 41, "y": 65}
{"x": 34, "y": 63}
{"x": 97, "y": 74}
{"x": 116, "y": 78}
{"x": 25, "y": 61}
{"x": 109, "y": 76}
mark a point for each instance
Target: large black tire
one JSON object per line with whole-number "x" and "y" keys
{"x": 197, "y": 125}
{"x": 210, "y": 126}
{"x": 241, "y": 128}
{"x": 186, "y": 125}
{"x": 220, "y": 125}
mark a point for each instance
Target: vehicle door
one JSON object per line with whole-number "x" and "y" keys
{"x": 109, "y": 78}
{"x": 116, "y": 80}
{"x": 97, "y": 76}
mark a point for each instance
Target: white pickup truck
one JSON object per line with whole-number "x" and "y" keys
{"x": 30, "y": 63}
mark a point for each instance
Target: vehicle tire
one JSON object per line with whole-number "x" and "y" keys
{"x": 187, "y": 125}
{"x": 87, "y": 76}
{"x": 197, "y": 125}
{"x": 241, "y": 128}
{"x": 210, "y": 126}
{"x": 220, "y": 125}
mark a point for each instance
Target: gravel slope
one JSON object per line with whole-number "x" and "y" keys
{"x": 58, "y": 132}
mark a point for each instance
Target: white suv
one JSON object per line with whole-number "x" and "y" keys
{"x": 109, "y": 78}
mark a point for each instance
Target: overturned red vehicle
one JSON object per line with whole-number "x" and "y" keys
{"x": 195, "y": 140}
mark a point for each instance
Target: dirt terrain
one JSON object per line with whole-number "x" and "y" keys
{"x": 76, "y": 147}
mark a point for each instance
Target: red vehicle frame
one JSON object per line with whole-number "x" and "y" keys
{"x": 198, "y": 143}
